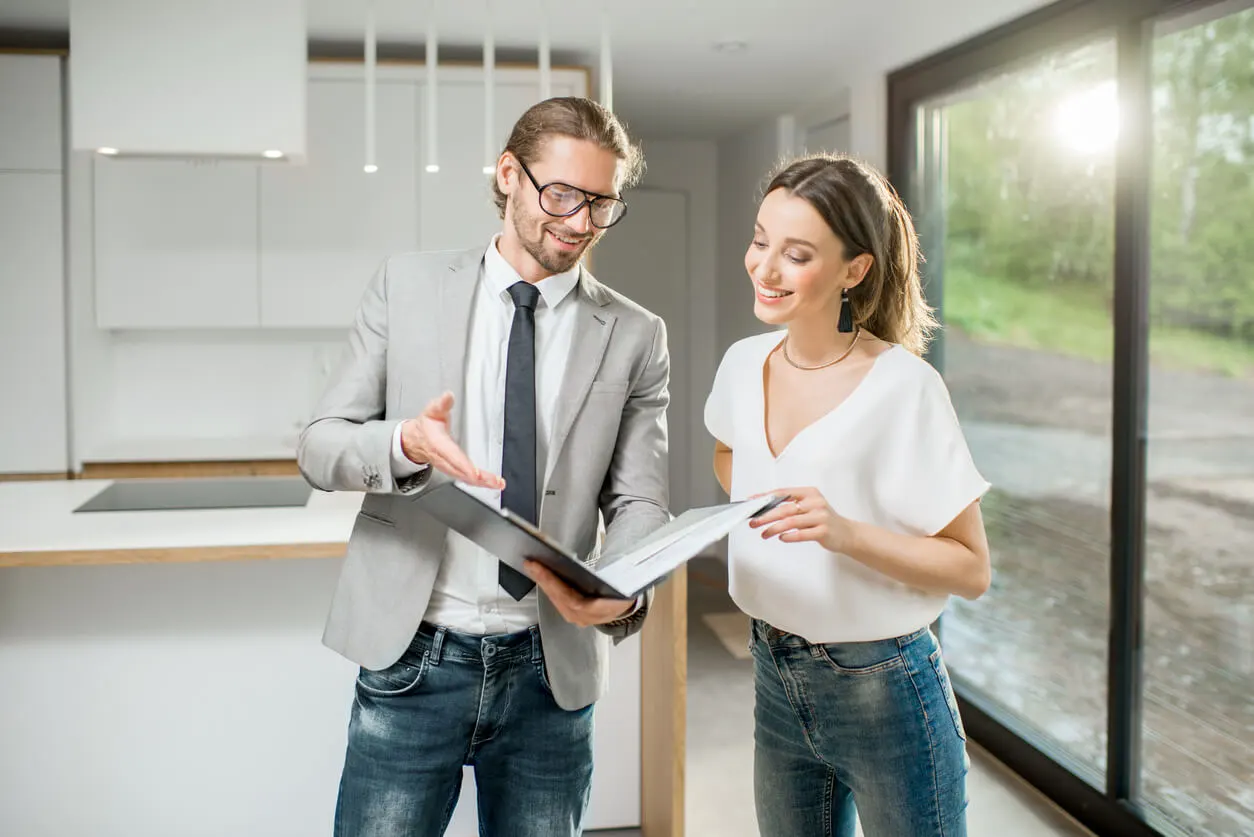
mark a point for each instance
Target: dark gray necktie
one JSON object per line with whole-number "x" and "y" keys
{"x": 518, "y": 454}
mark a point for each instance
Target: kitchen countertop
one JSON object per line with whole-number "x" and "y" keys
{"x": 38, "y": 527}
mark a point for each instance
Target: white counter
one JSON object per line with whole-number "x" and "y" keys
{"x": 163, "y": 681}
{"x": 38, "y": 517}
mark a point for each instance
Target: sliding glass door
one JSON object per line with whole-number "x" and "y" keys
{"x": 1083, "y": 183}
{"x": 1026, "y": 190}
{"x": 1198, "y": 723}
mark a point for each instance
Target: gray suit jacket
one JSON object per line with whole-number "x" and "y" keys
{"x": 607, "y": 458}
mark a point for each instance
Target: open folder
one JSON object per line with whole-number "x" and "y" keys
{"x": 622, "y": 575}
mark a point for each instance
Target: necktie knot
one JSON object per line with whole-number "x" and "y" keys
{"x": 525, "y": 295}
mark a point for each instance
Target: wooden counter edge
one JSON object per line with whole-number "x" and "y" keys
{"x": 664, "y": 709}
{"x": 171, "y": 555}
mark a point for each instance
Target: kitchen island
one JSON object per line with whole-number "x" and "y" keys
{"x": 163, "y": 673}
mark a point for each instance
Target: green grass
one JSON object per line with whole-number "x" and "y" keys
{"x": 1076, "y": 321}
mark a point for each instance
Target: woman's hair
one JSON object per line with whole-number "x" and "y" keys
{"x": 576, "y": 117}
{"x": 863, "y": 210}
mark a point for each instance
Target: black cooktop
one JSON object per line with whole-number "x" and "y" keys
{"x": 208, "y": 493}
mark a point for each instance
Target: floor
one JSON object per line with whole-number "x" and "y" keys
{"x": 720, "y": 735}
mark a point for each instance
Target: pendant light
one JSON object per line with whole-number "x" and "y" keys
{"x": 489, "y": 95}
{"x": 433, "y": 88}
{"x": 546, "y": 62}
{"x": 371, "y": 166}
{"x": 607, "y": 62}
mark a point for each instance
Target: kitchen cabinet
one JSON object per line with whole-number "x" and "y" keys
{"x": 457, "y": 210}
{"x": 326, "y": 225}
{"x": 176, "y": 243}
{"x": 218, "y": 244}
{"x": 30, "y": 99}
{"x": 32, "y": 325}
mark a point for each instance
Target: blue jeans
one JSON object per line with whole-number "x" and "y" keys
{"x": 454, "y": 700}
{"x": 868, "y": 724}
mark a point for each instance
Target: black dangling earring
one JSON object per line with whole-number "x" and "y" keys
{"x": 845, "y": 324}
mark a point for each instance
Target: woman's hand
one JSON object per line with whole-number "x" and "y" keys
{"x": 806, "y": 516}
{"x": 954, "y": 560}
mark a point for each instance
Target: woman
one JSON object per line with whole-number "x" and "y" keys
{"x": 853, "y": 702}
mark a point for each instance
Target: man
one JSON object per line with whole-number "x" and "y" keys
{"x": 536, "y": 387}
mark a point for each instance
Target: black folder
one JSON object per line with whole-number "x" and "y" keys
{"x": 513, "y": 540}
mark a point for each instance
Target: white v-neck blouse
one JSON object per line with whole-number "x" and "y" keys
{"x": 891, "y": 454}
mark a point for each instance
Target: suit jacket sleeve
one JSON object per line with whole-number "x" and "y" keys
{"x": 635, "y": 499}
{"x": 347, "y": 446}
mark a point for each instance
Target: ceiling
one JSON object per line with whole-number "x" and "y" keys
{"x": 669, "y": 80}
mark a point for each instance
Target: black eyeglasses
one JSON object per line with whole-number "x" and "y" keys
{"x": 561, "y": 200}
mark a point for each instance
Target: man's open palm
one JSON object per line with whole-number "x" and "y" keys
{"x": 426, "y": 440}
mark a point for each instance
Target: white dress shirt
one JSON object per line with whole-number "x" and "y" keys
{"x": 467, "y": 597}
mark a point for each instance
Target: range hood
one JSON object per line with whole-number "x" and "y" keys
{"x": 217, "y": 79}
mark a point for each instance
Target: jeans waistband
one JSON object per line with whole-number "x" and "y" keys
{"x": 782, "y": 639}
{"x": 472, "y": 648}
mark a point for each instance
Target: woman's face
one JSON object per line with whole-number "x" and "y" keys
{"x": 797, "y": 263}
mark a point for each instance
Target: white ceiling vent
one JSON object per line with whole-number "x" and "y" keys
{"x": 177, "y": 78}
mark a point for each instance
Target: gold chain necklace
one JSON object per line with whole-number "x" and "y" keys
{"x": 856, "y": 334}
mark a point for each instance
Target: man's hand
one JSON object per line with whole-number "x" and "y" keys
{"x": 575, "y": 607}
{"x": 426, "y": 441}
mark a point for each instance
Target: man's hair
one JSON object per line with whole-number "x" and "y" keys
{"x": 578, "y": 118}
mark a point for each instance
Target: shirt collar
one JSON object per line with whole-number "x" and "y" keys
{"x": 499, "y": 275}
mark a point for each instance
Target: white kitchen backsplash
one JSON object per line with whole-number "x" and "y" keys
{"x": 217, "y": 385}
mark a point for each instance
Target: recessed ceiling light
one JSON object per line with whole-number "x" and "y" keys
{"x": 731, "y": 45}
{"x": 108, "y": 151}
{"x": 272, "y": 154}
{"x": 370, "y": 168}
{"x": 489, "y": 169}
{"x": 433, "y": 168}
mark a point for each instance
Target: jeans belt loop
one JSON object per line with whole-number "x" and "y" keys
{"x": 537, "y": 650}
{"x": 437, "y": 645}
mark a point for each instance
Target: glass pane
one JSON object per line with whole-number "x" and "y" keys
{"x": 1016, "y": 189}
{"x": 1198, "y": 729}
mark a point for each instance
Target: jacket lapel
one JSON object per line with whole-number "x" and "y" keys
{"x": 593, "y": 326}
{"x": 456, "y": 294}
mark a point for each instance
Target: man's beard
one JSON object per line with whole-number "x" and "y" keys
{"x": 553, "y": 262}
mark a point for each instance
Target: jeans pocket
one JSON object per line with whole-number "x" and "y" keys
{"x": 947, "y": 691}
{"x": 861, "y": 657}
{"x": 542, "y": 673}
{"x": 400, "y": 678}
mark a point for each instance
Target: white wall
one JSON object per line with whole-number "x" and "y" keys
{"x": 691, "y": 166}
{"x": 868, "y": 111}
{"x": 237, "y": 385}
{"x": 744, "y": 163}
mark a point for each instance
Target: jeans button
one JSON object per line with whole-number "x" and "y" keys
{"x": 489, "y": 650}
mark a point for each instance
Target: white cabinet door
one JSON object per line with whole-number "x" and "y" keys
{"x": 457, "y": 208}
{"x": 176, "y": 244}
{"x": 32, "y": 325}
{"x": 327, "y": 225}
{"x": 30, "y": 104}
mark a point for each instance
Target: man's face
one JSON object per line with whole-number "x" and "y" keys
{"x": 556, "y": 244}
